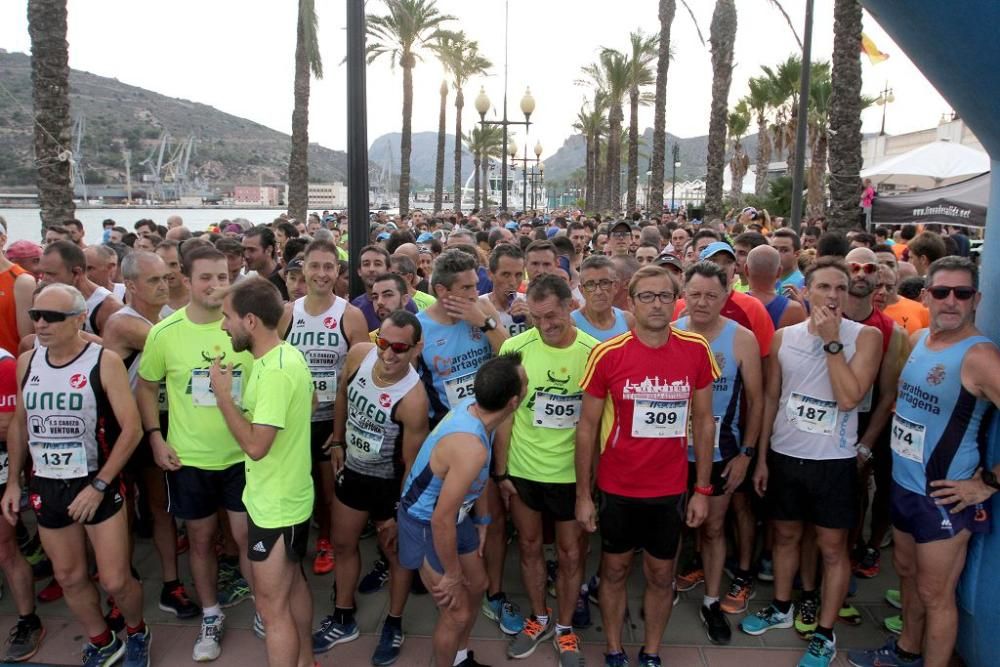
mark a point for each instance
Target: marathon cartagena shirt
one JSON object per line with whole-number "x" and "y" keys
{"x": 647, "y": 396}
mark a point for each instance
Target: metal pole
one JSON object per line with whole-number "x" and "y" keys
{"x": 503, "y": 159}
{"x": 524, "y": 179}
{"x": 357, "y": 141}
{"x": 798, "y": 176}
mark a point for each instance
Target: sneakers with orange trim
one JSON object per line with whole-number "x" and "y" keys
{"x": 528, "y": 639}
{"x": 690, "y": 579}
{"x": 568, "y": 649}
{"x": 741, "y": 591}
{"x": 323, "y": 563}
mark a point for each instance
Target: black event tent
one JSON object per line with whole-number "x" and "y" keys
{"x": 962, "y": 204}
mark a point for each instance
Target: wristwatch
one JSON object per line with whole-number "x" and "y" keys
{"x": 99, "y": 485}
{"x": 489, "y": 325}
{"x": 989, "y": 479}
{"x": 833, "y": 347}
{"x": 748, "y": 452}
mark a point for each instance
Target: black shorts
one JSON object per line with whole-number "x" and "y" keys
{"x": 195, "y": 493}
{"x": 142, "y": 458}
{"x": 261, "y": 541}
{"x": 320, "y": 433}
{"x": 377, "y": 496}
{"x": 823, "y": 493}
{"x": 717, "y": 481}
{"x": 51, "y": 498}
{"x": 653, "y": 524}
{"x": 554, "y": 499}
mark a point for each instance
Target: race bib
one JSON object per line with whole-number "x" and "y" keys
{"x": 464, "y": 510}
{"x": 659, "y": 419}
{"x": 201, "y": 388}
{"x": 57, "y": 460}
{"x": 812, "y": 415}
{"x": 459, "y": 388}
{"x": 161, "y": 397}
{"x": 325, "y": 385}
{"x": 364, "y": 444}
{"x": 4, "y": 466}
{"x": 556, "y": 410}
{"x": 908, "y": 438}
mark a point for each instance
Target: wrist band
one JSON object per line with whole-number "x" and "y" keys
{"x": 705, "y": 490}
{"x": 149, "y": 431}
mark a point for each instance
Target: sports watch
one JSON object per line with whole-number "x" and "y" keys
{"x": 489, "y": 325}
{"x": 99, "y": 485}
{"x": 833, "y": 347}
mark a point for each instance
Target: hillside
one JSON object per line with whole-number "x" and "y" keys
{"x": 120, "y": 116}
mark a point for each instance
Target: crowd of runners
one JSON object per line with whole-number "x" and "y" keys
{"x": 724, "y": 402}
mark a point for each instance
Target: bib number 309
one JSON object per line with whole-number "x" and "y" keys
{"x": 659, "y": 419}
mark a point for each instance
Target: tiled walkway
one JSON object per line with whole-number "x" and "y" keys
{"x": 685, "y": 642}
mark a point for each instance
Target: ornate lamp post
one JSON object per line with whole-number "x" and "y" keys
{"x": 527, "y": 108}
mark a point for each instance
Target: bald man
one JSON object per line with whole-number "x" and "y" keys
{"x": 763, "y": 268}
{"x": 102, "y": 267}
{"x": 174, "y": 221}
{"x": 178, "y": 233}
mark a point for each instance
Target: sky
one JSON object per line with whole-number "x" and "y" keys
{"x": 237, "y": 55}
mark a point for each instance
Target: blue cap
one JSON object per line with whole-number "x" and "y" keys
{"x": 551, "y": 231}
{"x": 715, "y": 248}
{"x": 512, "y": 226}
{"x": 384, "y": 236}
{"x": 425, "y": 237}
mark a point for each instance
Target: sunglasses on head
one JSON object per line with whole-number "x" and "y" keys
{"x": 962, "y": 293}
{"x": 398, "y": 348}
{"x": 50, "y": 316}
{"x": 868, "y": 267}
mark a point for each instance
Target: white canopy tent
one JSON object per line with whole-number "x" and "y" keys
{"x": 930, "y": 166}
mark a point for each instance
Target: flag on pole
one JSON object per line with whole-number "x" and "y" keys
{"x": 869, "y": 49}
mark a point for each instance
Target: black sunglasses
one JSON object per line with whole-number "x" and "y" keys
{"x": 941, "y": 292}
{"x": 50, "y": 316}
{"x": 398, "y": 348}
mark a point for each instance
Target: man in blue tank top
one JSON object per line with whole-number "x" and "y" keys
{"x": 443, "y": 513}
{"x": 948, "y": 392}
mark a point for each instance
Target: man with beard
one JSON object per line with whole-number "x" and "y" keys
{"x": 374, "y": 262}
{"x": 260, "y": 255}
{"x": 389, "y": 293}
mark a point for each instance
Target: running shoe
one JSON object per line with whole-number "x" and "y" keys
{"x": 894, "y": 598}
{"x": 716, "y": 624}
{"x": 182, "y": 542}
{"x": 137, "y": 648}
{"x": 331, "y": 633}
{"x": 389, "y": 644}
{"x": 228, "y": 571}
{"x": 849, "y": 614}
{"x": 882, "y": 657}
{"x": 765, "y": 569}
{"x": 52, "y": 592}
{"x": 581, "y": 614}
{"x": 114, "y": 618}
{"x": 886, "y": 541}
{"x": 470, "y": 661}
{"x": 820, "y": 653}
{"x": 647, "y": 660}
{"x": 234, "y": 592}
{"x": 24, "y": 640}
{"x": 505, "y": 613}
{"x": 376, "y": 578}
{"x": 893, "y": 624}
{"x": 323, "y": 563}
{"x": 690, "y": 579}
{"x": 805, "y": 617}
{"x": 258, "y": 626}
{"x": 208, "y": 646}
{"x": 737, "y": 600}
{"x": 768, "y": 618}
{"x": 531, "y": 635}
{"x": 568, "y": 649}
{"x": 103, "y": 656}
{"x": 176, "y": 601}
{"x": 869, "y": 565}
{"x": 616, "y": 659}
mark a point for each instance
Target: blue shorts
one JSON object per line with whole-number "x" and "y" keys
{"x": 416, "y": 542}
{"x": 917, "y": 515}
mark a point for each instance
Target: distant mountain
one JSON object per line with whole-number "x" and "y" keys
{"x": 423, "y": 158}
{"x": 118, "y": 116}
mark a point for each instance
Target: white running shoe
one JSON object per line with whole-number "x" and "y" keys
{"x": 208, "y": 646}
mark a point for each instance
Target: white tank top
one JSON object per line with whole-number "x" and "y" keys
{"x": 119, "y": 291}
{"x": 374, "y": 437}
{"x": 321, "y": 340}
{"x": 94, "y": 302}
{"x": 809, "y": 424}
{"x": 132, "y": 360}
{"x": 71, "y": 426}
{"x": 506, "y": 319}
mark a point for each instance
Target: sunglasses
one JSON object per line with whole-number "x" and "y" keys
{"x": 869, "y": 267}
{"x": 398, "y": 348}
{"x": 52, "y": 316}
{"x": 940, "y": 293}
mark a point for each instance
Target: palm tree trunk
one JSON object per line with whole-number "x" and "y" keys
{"x": 666, "y": 14}
{"x": 614, "y": 159}
{"x": 845, "y": 115}
{"x": 600, "y": 198}
{"x": 439, "y": 165}
{"x": 50, "y": 98}
{"x": 475, "y": 183}
{"x": 816, "y": 194}
{"x": 760, "y": 182}
{"x": 588, "y": 175}
{"x": 298, "y": 160}
{"x": 459, "y": 104}
{"x": 723, "y": 34}
{"x": 633, "y": 148}
{"x": 406, "y": 139}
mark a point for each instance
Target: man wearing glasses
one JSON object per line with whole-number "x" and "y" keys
{"x": 598, "y": 317}
{"x": 949, "y": 384}
{"x": 651, "y": 380}
{"x": 621, "y": 238}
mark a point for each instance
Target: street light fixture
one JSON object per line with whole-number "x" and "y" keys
{"x": 527, "y": 108}
{"x": 883, "y": 100}
{"x": 525, "y": 161}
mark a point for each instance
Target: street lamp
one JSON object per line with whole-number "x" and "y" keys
{"x": 673, "y": 179}
{"x": 525, "y": 161}
{"x": 527, "y": 108}
{"x": 883, "y": 100}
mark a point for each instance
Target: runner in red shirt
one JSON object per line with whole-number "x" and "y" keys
{"x": 644, "y": 388}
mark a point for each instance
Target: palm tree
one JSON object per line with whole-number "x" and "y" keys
{"x": 818, "y": 119}
{"x": 307, "y": 60}
{"x": 439, "y": 164}
{"x": 610, "y": 76}
{"x": 645, "y": 49}
{"x": 50, "y": 99}
{"x": 667, "y": 9}
{"x": 462, "y": 59}
{"x": 484, "y": 142}
{"x": 722, "y": 35}
{"x": 845, "y": 115}
{"x": 409, "y": 25}
{"x": 737, "y": 124}
{"x": 759, "y": 102}
{"x": 592, "y": 124}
